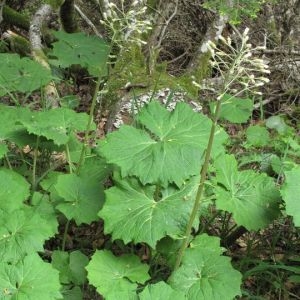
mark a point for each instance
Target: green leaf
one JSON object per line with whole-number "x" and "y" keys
{"x": 3, "y": 150}
{"x": 207, "y": 243}
{"x": 95, "y": 168}
{"x": 160, "y": 290}
{"x": 290, "y": 192}
{"x": 14, "y": 190}
{"x": 71, "y": 266}
{"x": 70, "y": 101}
{"x": 235, "y": 110}
{"x": 21, "y": 74}
{"x": 83, "y": 197}
{"x": 168, "y": 248}
{"x": 280, "y": 165}
{"x": 252, "y": 198}
{"x": 90, "y": 52}
{"x": 30, "y": 278}
{"x": 130, "y": 212}
{"x": 10, "y": 127}
{"x": 170, "y": 152}
{"x": 74, "y": 293}
{"x": 45, "y": 209}
{"x": 22, "y": 232}
{"x": 48, "y": 185}
{"x": 277, "y": 123}
{"x": 257, "y": 136}
{"x": 111, "y": 274}
{"x": 55, "y": 124}
{"x": 206, "y": 274}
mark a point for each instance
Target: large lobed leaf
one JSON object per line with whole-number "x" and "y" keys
{"x": 291, "y": 194}
{"x": 83, "y": 197}
{"x": 234, "y": 110}
{"x": 160, "y": 290}
{"x": 130, "y": 212}
{"x": 170, "y": 151}
{"x": 55, "y": 124}
{"x": 205, "y": 274}
{"x": 22, "y": 232}
{"x": 114, "y": 277}
{"x": 71, "y": 266}
{"x": 14, "y": 190}
{"x": 77, "y": 48}
{"x": 252, "y": 198}
{"x": 10, "y": 127}
{"x": 21, "y": 74}
{"x": 30, "y": 278}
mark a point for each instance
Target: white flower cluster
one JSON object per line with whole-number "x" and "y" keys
{"x": 126, "y": 25}
{"x": 238, "y": 69}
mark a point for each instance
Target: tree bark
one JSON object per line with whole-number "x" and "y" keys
{"x": 68, "y": 16}
{"x": 51, "y": 94}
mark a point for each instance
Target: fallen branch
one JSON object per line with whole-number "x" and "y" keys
{"x": 51, "y": 94}
{"x": 277, "y": 51}
{"x": 88, "y": 21}
{"x": 2, "y": 3}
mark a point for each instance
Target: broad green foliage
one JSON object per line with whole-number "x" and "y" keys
{"x": 131, "y": 213}
{"x": 3, "y": 150}
{"x": 90, "y": 52}
{"x": 170, "y": 151}
{"x": 257, "y": 136}
{"x": 160, "y": 290}
{"x": 73, "y": 293}
{"x": 116, "y": 276}
{"x": 48, "y": 186}
{"x": 71, "y": 266}
{"x": 235, "y": 10}
{"x": 9, "y": 123}
{"x": 55, "y": 124}
{"x": 205, "y": 273}
{"x": 43, "y": 207}
{"x": 30, "y": 278}
{"x": 291, "y": 194}
{"x": 21, "y": 74}
{"x": 277, "y": 123}
{"x": 252, "y": 198}
{"x": 235, "y": 110}
{"x": 47, "y": 174}
{"x": 82, "y": 196}
{"x": 95, "y": 168}
{"x": 14, "y": 190}
{"x": 22, "y": 232}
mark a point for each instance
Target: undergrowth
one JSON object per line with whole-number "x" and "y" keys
{"x": 168, "y": 188}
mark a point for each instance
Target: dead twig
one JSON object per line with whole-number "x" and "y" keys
{"x": 88, "y": 21}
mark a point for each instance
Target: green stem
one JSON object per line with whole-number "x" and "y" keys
{"x": 35, "y": 155}
{"x": 69, "y": 159}
{"x": 156, "y": 193}
{"x": 63, "y": 246}
{"x": 89, "y": 125}
{"x": 8, "y": 162}
{"x": 200, "y": 190}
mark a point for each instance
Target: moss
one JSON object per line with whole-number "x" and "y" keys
{"x": 19, "y": 44}
{"x": 68, "y": 17}
{"x": 131, "y": 67}
{"x": 202, "y": 67}
{"x": 55, "y": 4}
{"x": 12, "y": 17}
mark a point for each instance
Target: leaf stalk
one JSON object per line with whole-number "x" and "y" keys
{"x": 89, "y": 124}
{"x": 200, "y": 190}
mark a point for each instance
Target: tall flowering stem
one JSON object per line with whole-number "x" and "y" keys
{"x": 126, "y": 25}
{"x": 240, "y": 72}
